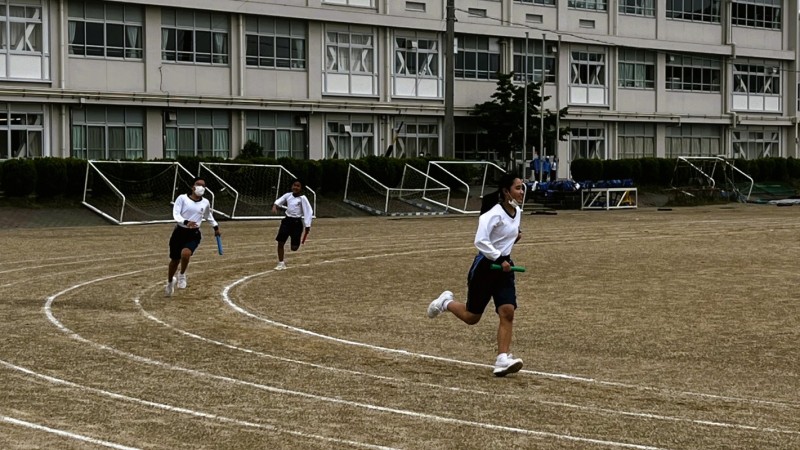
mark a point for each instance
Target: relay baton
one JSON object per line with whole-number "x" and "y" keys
{"x": 219, "y": 244}
{"x": 305, "y": 235}
{"x": 513, "y": 268}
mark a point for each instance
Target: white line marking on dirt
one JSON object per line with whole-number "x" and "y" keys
{"x": 227, "y": 300}
{"x": 63, "y": 433}
{"x": 178, "y": 409}
{"x": 458, "y": 389}
{"x": 541, "y": 434}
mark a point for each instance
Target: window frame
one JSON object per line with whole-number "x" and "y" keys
{"x": 752, "y": 18}
{"x": 642, "y": 62}
{"x": 129, "y": 122}
{"x": 588, "y": 5}
{"x": 262, "y": 123}
{"x": 349, "y": 130}
{"x": 694, "y": 136}
{"x": 220, "y": 125}
{"x": 587, "y": 133}
{"x": 642, "y": 8}
{"x": 755, "y": 146}
{"x": 689, "y": 15}
{"x": 469, "y": 48}
{"x": 703, "y": 66}
{"x": 297, "y": 33}
{"x": 534, "y": 59}
{"x": 128, "y": 50}
{"x": 422, "y": 131}
{"x": 22, "y": 120}
{"x": 175, "y": 30}
{"x": 638, "y": 136}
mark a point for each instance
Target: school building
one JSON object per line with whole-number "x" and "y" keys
{"x": 350, "y": 78}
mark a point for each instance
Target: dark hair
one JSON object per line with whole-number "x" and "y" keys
{"x": 489, "y": 200}
{"x": 298, "y": 180}
{"x": 196, "y": 179}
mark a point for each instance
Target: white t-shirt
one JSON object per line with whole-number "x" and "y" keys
{"x": 186, "y": 208}
{"x": 296, "y": 207}
{"x": 497, "y": 232}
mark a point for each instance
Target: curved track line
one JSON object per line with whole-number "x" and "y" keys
{"x": 178, "y": 409}
{"x": 227, "y": 300}
{"x": 63, "y": 433}
{"x": 458, "y": 389}
{"x": 407, "y": 413}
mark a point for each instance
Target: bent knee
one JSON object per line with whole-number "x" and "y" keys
{"x": 473, "y": 319}
{"x": 295, "y": 247}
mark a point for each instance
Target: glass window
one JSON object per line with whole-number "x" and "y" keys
{"x": 21, "y": 128}
{"x": 693, "y": 140}
{"x": 416, "y": 136}
{"x": 694, "y": 10}
{"x": 587, "y": 141}
{"x": 197, "y": 133}
{"x": 105, "y": 30}
{"x": 194, "y": 37}
{"x": 757, "y": 77}
{"x": 280, "y": 134}
{"x": 636, "y": 140}
{"x": 637, "y": 68}
{"x": 113, "y": 132}
{"x": 535, "y": 60}
{"x": 756, "y": 142}
{"x": 416, "y": 57}
{"x": 275, "y": 43}
{"x": 538, "y": 2}
{"x": 757, "y": 14}
{"x": 594, "y": 5}
{"x": 588, "y": 68}
{"x": 350, "y": 137}
{"x": 367, "y": 3}
{"x": 637, "y": 7}
{"x": 478, "y": 57}
{"x": 693, "y": 73}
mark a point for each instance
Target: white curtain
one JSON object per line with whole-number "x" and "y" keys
{"x": 133, "y": 46}
{"x": 220, "y": 48}
{"x": 134, "y": 142}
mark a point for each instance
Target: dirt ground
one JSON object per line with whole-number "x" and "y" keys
{"x": 640, "y": 329}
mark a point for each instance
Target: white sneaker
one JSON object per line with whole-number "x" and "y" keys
{"x": 182, "y": 281}
{"x": 170, "y": 287}
{"x": 506, "y": 364}
{"x": 437, "y": 306}
{"x": 281, "y": 266}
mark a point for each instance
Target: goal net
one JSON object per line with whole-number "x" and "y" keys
{"x": 710, "y": 177}
{"x": 248, "y": 191}
{"x": 417, "y": 195}
{"x": 134, "y": 192}
{"x": 468, "y": 182}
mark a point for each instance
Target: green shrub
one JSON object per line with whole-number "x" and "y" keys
{"x": 19, "y": 177}
{"x": 51, "y": 177}
{"x": 587, "y": 169}
{"x": 76, "y": 176}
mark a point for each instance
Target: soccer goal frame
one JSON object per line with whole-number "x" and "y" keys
{"x": 237, "y": 202}
{"x": 710, "y": 174}
{"x": 469, "y": 192}
{"x": 116, "y": 213}
{"x": 387, "y": 196}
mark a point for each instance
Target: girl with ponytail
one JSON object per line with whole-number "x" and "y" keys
{"x": 498, "y": 231}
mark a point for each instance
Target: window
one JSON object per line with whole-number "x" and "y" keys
{"x": 417, "y": 137}
{"x": 756, "y": 13}
{"x": 756, "y": 142}
{"x": 416, "y": 66}
{"x": 693, "y": 140}
{"x": 113, "y": 132}
{"x": 637, "y": 68}
{"x": 23, "y": 40}
{"x": 587, "y": 76}
{"x": 275, "y": 43}
{"x": 201, "y": 132}
{"x": 587, "y": 141}
{"x": 476, "y": 12}
{"x": 350, "y": 61}
{"x": 694, "y": 10}
{"x": 692, "y": 73}
{"x": 478, "y": 57}
{"x": 636, "y": 140}
{"x": 281, "y": 134}
{"x": 105, "y": 30}
{"x": 21, "y": 130}
{"x": 536, "y": 49}
{"x": 592, "y": 5}
{"x": 350, "y": 137}
{"x": 538, "y": 2}
{"x": 534, "y": 18}
{"x": 585, "y": 23}
{"x": 637, "y": 7}
{"x": 415, "y": 6}
{"x": 367, "y": 3}
{"x": 194, "y": 36}
{"x": 757, "y": 85}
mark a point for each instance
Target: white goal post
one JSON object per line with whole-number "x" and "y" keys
{"x": 417, "y": 195}
{"x": 468, "y": 180}
{"x": 248, "y": 191}
{"x": 136, "y": 192}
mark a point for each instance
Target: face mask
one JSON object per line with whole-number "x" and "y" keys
{"x": 199, "y": 190}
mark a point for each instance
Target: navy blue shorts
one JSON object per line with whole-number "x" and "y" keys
{"x": 483, "y": 284}
{"x": 291, "y": 227}
{"x": 183, "y": 238}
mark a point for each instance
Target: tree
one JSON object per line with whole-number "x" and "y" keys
{"x": 502, "y": 118}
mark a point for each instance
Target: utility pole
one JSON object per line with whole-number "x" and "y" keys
{"x": 525, "y": 112}
{"x": 449, "y": 80}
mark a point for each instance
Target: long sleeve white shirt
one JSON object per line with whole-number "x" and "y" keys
{"x": 497, "y": 232}
{"x": 186, "y": 208}
{"x": 296, "y": 207}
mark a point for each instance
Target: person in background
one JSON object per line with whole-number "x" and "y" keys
{"x": 554, "y": 168}
{"x": 536, "y": 164}
{"x": 189, "y": 211}
{"x": 546, "y": 168}
{"x": 298, "y": 216}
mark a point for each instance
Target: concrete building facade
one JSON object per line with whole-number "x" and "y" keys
{"x": 350, "y": 78}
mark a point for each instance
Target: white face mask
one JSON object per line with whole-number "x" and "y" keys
{"x": 199, "y": 190}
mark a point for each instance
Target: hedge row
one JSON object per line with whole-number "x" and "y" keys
{"x": 51, "y": 177}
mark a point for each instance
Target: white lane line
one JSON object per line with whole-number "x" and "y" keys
{"x": 227, "y": 300}
{"x": 63, "y": 433}
{"x": 606, "y": 411}
{"x": 180, "y": 410}
{"x": 408, "y": 413}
